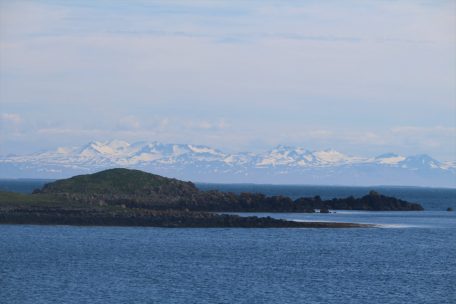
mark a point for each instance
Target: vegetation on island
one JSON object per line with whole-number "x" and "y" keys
{"x": 136, "y": 198}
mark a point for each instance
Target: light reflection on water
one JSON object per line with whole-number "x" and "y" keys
{"x": 385, "y": 219}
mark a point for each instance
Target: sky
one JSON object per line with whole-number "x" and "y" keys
{"x": 361, "y": 77}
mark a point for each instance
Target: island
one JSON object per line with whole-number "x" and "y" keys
{"x": 125, "y": 197}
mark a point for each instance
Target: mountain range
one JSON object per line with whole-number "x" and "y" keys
{"x": 280, "y": 165}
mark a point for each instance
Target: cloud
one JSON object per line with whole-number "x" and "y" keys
{"x": 128, "y": 122}
{"x": 10, "y": 119}
{"x": 438, "y": 141}
{"x": 428, "y": 131}
{"x": 11, "y": 124}
{"x": 296, "y": 49}
{"x": 238, "y": 74}
{"x": 214, "y": 125}
{"x": 425, "y": 139}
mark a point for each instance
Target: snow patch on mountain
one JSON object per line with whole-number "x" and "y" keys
{"x": 293, "y": 164}
{"x": 389, "y": 159}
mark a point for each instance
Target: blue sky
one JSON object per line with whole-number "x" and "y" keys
{"x": 362, "y": 77}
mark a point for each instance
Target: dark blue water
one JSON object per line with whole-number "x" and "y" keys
{"x": 411, "y": 260}
{"x": 22, "y": 185}
{"x": 153, "y": 265}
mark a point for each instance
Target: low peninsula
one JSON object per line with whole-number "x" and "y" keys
{"x": 124, "y": 197}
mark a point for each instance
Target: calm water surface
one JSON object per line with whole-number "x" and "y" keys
{"x": 411, "y": 260}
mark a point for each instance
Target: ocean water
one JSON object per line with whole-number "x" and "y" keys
{"x": 410, "y": 259}
{"x": 23, "y": 185}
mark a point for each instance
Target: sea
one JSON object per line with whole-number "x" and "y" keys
{"x": 409, "y": 258}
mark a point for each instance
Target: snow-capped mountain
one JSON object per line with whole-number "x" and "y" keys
{"x": 282, "y": 164}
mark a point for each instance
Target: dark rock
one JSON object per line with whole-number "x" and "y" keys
{"x": 151, "y": 218}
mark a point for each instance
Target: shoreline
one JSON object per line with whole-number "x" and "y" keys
{"x": 313, "y": 225}
{"x": 162, "y": 220}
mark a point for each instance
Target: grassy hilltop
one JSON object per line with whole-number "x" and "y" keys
{"x": 120, "y": 182}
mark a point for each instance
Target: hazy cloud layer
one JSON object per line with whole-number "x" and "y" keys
{"x": 359, "y": 76}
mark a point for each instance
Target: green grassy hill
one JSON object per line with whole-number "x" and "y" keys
{"x": 122, "y": 182}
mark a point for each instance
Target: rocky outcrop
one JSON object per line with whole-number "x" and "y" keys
{"x": 137, "y": 189}
{"x": 151, "y": 218}
{"x": 370, "y": 202}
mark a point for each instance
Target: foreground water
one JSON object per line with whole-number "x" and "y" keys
{"x": 411, "y": 260}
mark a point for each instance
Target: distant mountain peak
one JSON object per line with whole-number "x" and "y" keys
{"x": 281, "y": 164}
{"x": 422, "y": 161}
{"x": 118, "y": 144}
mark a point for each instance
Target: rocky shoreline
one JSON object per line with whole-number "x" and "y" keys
{"x": 152, "y": 218}
{"x": 123, "y": 197}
